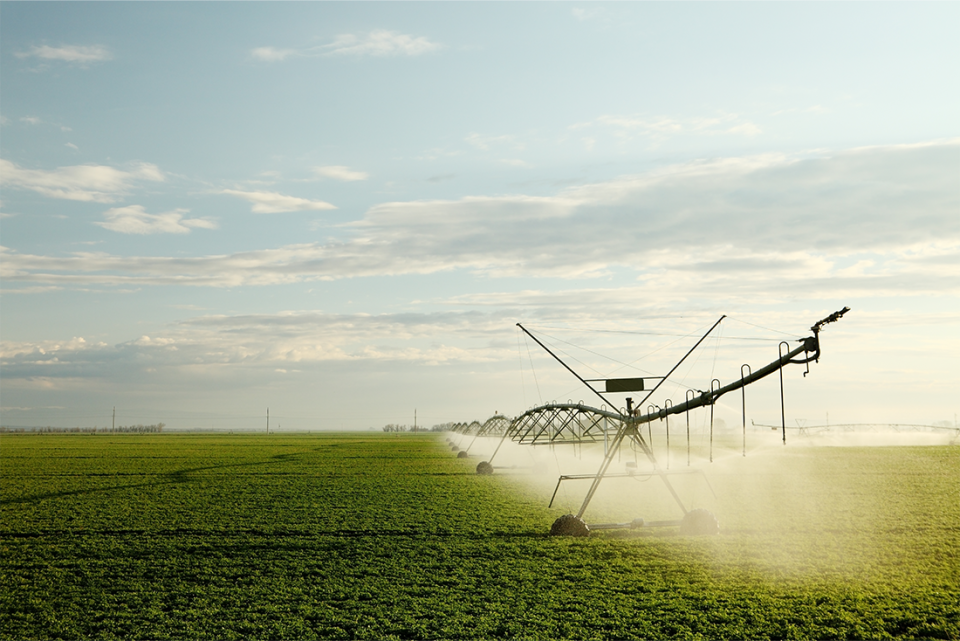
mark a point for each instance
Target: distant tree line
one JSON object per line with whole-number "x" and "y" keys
{"x": 120, "y": 429}
{"x": 393, "y": 427}
{"x": 441, "y": 427}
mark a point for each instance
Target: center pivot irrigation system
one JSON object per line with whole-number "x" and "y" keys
{"x": 557, "y": 423}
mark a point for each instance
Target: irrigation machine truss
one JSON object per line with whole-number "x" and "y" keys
{"x": 558, "y": 423}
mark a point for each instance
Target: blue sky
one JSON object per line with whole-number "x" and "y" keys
{"x": 340, "y": 210}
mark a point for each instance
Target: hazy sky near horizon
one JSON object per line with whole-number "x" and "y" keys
{"x": 341, "y": 210}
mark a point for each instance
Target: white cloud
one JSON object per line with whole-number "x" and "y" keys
{"x": 377, "y": 43}
{"x": 92, "y": 183}
{"x": 134, "y": 220}
{"x": 380, "y": 42}
{"x": 339, "y": 172}
{"x": 30, "y": 120}
{"x": 272, "y": 54}
{"x": 266, "y": 341}
{"x": 311, "y": 336}
{"x": 37, "y": 289}
{"x": 268, "y": 202}
{"x": 659, "y": 127}
{"x": 69, "y": 53}
{"x": 215, "y": 346}
{"x": 72, "y": 146}
{"x": 243, "y": 351}
{"x": 758, "y": 226}
{"x": 515, "y": 162}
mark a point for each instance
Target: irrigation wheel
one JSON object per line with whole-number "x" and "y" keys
{"x": 484, "y": 468}
{"x": 699, "y": 522}
{"x": 570, "y": 525}
{"x": 462, "y": 454}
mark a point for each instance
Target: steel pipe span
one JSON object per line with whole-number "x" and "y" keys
{"x": 565, "y": 422}
{"x": 557, "y": 423}
{"x": 495, "y": 425}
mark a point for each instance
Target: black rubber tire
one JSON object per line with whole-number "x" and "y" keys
{"x": 699, "y": 522}
{"x": 454, "y": 448}
{"x": 484, "y": 468}
{"x": 569, "y": 525}
{"x": 462, "y": 454}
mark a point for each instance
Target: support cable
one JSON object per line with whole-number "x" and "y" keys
{"x": 532, "y": 368}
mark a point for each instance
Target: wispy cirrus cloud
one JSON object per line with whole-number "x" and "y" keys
{"x": 269, "y": 202}
{"x": 658, "y": 127}
{"x": 379, "y": 43}
{"x": 92, "y": 183}
{"x": 341, "y": 173}
{"x": 78, "y": 54}
{"x": 272, "y": 54}
{"x": 133, "y": 219}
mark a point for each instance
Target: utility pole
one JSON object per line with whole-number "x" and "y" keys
{"x": 414, "y": 419}
{"x": 113, "y": 423}
{"x": 268, "y": 420}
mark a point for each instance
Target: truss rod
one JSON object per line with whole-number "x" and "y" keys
{"x": 630, "y": 425}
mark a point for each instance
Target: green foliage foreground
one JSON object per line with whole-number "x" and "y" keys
{"x": 384, "y": 536}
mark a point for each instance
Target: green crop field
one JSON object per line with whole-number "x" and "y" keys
{"x": 378, "y": 536}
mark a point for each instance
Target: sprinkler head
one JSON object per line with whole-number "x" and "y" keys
{"x": 462, "y": 454}
{"x": 483, "y": 467}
